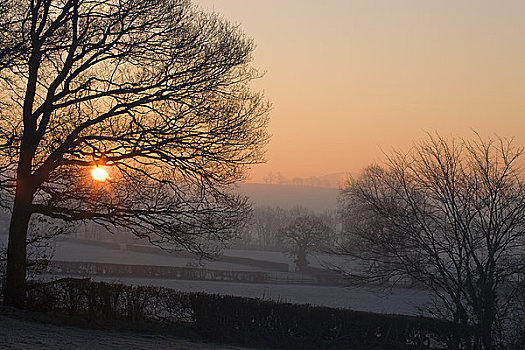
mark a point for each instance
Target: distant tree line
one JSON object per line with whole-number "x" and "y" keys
{"x": 330, "y": 181}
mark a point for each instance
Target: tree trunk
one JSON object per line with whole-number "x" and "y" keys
{"x": 487, "y": 325}
{"x": 15, "y": 288}
{"x": 301, "y": 261}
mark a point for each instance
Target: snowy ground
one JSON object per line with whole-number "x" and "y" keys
{"x": 72, "y": 251}
{"x": 401, "y": 301}
{"x": 17, "y": 334}
{"x": 75, "y": 251}
{"x": 65, "y": 250}
{"x": 316, "y": 260}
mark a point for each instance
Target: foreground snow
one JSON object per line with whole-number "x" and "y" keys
{"x": 16, "y": 334}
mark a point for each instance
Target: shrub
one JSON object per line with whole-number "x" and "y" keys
{"x": 252, "y": 321}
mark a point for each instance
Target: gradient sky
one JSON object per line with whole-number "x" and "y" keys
{"x": 350, "y": 80}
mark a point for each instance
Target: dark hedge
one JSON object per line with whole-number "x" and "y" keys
{"x": 246, "y": 321}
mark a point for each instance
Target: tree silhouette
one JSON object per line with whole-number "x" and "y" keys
{"x": 305, "y": 233}
{"x": 451, "y": 215}
{"x": 155, "y": 92}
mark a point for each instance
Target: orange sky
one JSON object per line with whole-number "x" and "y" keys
{"x": 348, "y": 79}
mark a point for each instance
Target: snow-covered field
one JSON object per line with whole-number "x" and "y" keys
{"x": 17, "y": 334}
{"x": 373, "y": 299}
{"x": 316, "y": 260}
{"x": 398, "y": 300}
{"x": 72, "y": 251}
{"x": 65, "y": 250}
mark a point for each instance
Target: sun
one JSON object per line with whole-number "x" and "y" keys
{"x": 99, "y": 174}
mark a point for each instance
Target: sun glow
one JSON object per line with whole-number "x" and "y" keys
{"x": 99, "y": 174}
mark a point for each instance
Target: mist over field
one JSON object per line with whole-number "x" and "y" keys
{"x": 286, "y": 196}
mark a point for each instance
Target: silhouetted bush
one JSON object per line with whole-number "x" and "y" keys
{"x": 109, "y": 300}
{"x": 244, "y": 320}
{"x": 254, "y": 321}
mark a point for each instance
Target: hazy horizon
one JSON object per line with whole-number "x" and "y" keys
{"x": 350, "y": 80}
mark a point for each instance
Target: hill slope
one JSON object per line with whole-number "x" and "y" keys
{"x": 287, "y": 196}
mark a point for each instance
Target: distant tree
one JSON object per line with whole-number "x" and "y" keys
{"x": 331, "y": 219}
{"x": 267, "y": 223}
{"x": 305, "y": 233}
{"x": 451, "y": 215}
{"x": 277, "y": 178}
{"x": 155, "y": 92}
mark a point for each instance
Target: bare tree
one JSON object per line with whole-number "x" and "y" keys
{"x": 155, "y": 92}
{"x": 305, "y": 233}
{"x": 266, "y": 225}
{"x": 451, "y": 215}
